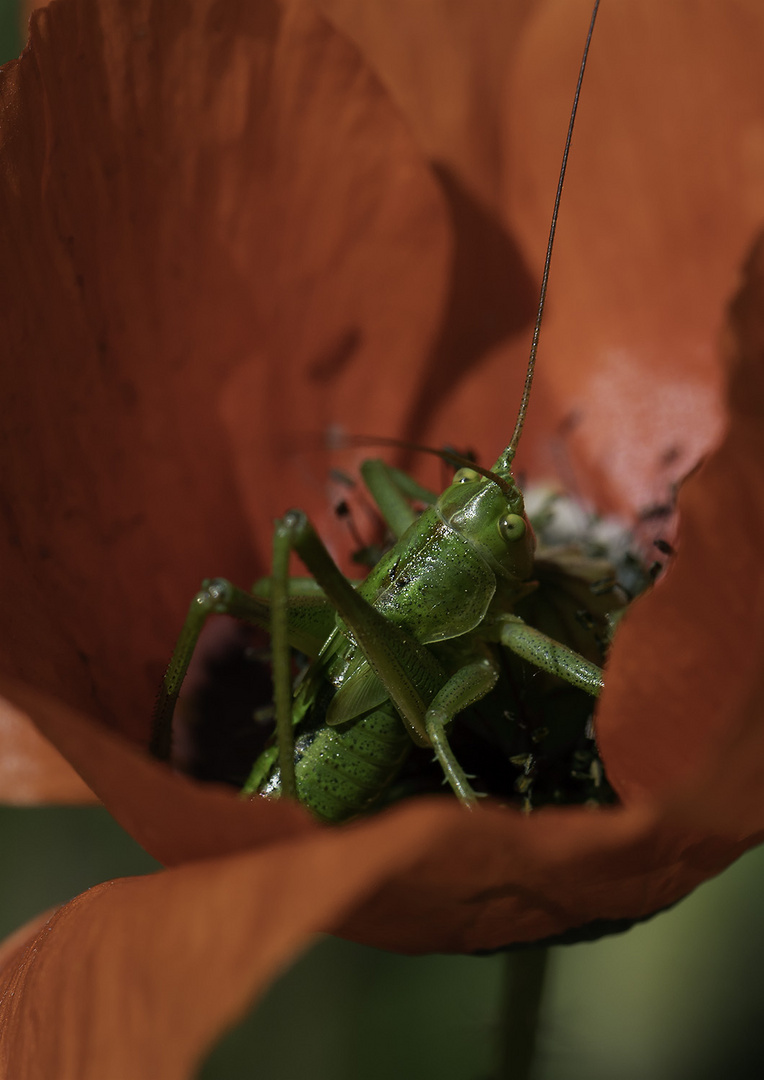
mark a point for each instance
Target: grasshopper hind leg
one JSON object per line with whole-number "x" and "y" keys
{"x": 414, "y": 679}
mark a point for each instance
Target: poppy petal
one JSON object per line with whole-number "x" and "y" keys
{"x": 222, "y": 245}
{"x": 697, "y": 714}
{"x": 31, "y": 769}
{"x": 664, "y": 195}
{"x": 137, "y": 977}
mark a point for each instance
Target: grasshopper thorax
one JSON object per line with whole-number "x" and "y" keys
{"x": 488, "y": 511}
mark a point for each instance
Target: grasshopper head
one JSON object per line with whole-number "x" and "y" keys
{"x": 487, "y": 510}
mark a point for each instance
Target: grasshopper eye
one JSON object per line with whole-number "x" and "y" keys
{"x": 463, "y": 476}
{"x": 512, "y": 527}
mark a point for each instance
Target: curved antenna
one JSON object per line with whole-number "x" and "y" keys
{"x": 507, "y": 457}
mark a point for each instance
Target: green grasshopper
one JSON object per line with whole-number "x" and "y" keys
{"x": 425, "y": 637}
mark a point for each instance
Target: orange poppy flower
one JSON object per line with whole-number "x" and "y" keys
{"x": 222, "y": 241}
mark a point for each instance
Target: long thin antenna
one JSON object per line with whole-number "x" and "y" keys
{"x": 506, "y": 458}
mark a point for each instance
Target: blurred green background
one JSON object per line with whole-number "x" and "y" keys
{"x": 10, "y": 35}
{"x": 678, "y": 998}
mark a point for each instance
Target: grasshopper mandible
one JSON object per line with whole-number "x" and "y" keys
{"x": 424, "y": 637}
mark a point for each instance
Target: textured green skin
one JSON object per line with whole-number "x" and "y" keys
{"x": 443, "y": 580}
{"x": 345, "y": 769}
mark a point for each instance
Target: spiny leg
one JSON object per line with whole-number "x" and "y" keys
{"x": 282, "y": 673}
{"x": 409, "y": 672}
{"x": 392, "y": 491}
{"x": 467, "y": 685}
{"x": 309, "y": 621}
{"x": 216, "y": 597}
{"x": 303, "y": 587}
{"x": 550, "y": 655}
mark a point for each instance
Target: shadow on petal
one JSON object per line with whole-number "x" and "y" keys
{"x": 199, "y": 205}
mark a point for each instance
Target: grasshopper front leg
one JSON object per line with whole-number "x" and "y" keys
{"x": 550, "y": 655}
{"x": 216, "y": 597}
{"x": 307, "y": 627}
{"x": 466, "y": 686}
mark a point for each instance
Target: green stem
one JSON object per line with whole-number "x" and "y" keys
{"x": 522, "y": 998}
